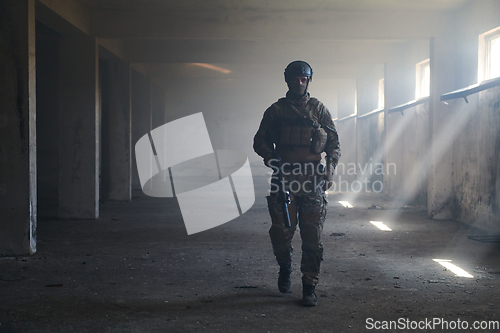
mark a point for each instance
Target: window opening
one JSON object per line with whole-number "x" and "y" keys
{"x": 489, "y": 55}
{"x": 423, "y": 71}
{"x": 381, "y": 94}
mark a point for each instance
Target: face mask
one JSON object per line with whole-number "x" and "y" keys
{"x": 298, "y": 85}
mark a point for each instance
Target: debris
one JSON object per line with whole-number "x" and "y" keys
{"x": 246, "y": 287}
{"x": 337, "y": 234}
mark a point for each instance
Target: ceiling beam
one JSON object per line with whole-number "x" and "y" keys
{"x": 64, "y": 16}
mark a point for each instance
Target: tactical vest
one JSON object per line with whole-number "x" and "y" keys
{"x": 301, "y": 128}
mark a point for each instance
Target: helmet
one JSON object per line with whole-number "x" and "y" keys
{"x": 298, "y": 68}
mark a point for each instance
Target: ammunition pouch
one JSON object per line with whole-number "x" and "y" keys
{"x": 318, "y": 140}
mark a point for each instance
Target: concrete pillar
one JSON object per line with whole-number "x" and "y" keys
{"x": 398, "y": 90}
{"x": 18, "y": 201}
{"x": 116, "y": 153}
{"x": 47, "y": 122}
{"x": 367, "y": 93}
{"x": 141, "y": 116}
{"x": 346, "y": 129}
{"x": 440, "y": 183}
{"x": 368, "y": 147}
{"x": 79, "y": 128}
{"x": 158, "y": 105}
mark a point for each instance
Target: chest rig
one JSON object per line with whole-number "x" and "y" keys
{"x": 300, "y": 127}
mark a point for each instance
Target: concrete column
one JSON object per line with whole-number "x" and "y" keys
{"x": 158, "y": 105}
{"x": 346, "y": 129}
{"x": 368, "y": 148}
{"x": 141, "y": 116}
{"x": 18, "y": 201}
{"x": 398, "y": 90}
{"x": 116, "y": 170}
{"x": 47, "y": 122}
{"x": 79, "y": 128}
{"x": 440, "y": 183}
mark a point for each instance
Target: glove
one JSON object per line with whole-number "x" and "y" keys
{"x": 329, "y": 173}
{"x": 268, "y": 161}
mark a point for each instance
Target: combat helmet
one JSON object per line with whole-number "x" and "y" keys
{"x": 298, "y": 68}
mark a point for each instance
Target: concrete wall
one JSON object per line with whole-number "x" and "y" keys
{"x": 476, "y": 160}
{"x": 452, "y": 179}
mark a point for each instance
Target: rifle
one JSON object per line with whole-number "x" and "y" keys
{"x": 283, "y": 195}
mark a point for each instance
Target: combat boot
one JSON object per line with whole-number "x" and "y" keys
{"x": 284, "y": 280}
{"x": 308, "y": 295}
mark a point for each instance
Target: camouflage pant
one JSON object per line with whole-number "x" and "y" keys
{"x": 308, "y": 210}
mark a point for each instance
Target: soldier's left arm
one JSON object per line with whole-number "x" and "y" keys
{"x": 332, "y": 147}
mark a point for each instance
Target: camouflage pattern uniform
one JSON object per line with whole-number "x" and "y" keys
{"x": 284, "y": 130}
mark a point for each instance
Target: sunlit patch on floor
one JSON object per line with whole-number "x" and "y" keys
{"x": 381, "y": 225}
{"x": 346, "y": 204}
{"x": 455, "y": 269}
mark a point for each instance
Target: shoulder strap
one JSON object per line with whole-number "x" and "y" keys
{"x": 286, "y": 103}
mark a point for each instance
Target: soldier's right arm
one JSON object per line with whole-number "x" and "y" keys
{"x": 263, "y": 142}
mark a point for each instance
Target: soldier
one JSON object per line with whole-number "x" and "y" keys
{"x": 298, "y": 129}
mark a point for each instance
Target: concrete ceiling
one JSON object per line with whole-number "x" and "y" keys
{"x": 343, "y": 36}
{"x": 282, "y": 6}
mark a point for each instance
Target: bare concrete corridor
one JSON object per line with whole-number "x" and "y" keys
{"x": 98, "y": 100}
{"x": 135, "y": 270}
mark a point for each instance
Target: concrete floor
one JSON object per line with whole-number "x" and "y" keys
{"x": 136, "y": 270}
